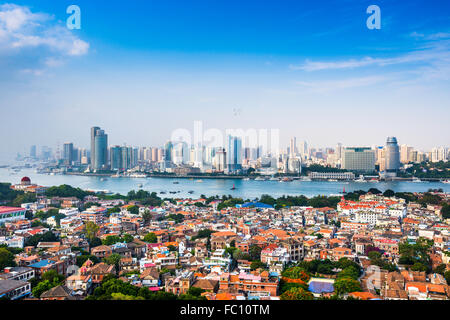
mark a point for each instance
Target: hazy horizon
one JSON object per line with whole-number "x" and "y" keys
{"x": 140, "y": 71}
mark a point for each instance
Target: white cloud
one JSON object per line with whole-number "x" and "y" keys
{"x": 13, "y": 17}
{"x": 418, "y": 56}
{"x": 21, "y": 29}
{"x": 323, "y": 86}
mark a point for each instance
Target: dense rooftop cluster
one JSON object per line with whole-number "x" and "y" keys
{"x": 92, "y": 246}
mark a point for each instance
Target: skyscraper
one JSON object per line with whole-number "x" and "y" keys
{"x": 116, "y": 158}
{"x": 99, "y": 149}
{"x": 234, "y": 154}
{"x": 93, "y": 132}
{"x": 33, "y": 151}
{"x": 220, "y": 159}
{"x": 168, "y": 151}
{"x": 68, "y": 154}
{"x": 293, "y": 147}
{"x": 392, "y": 155}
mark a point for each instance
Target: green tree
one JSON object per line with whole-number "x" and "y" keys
{"x": 41, "y": 287}
{"x": 447, "y": 276}
{"x": 6, "y": 258}
{"x": 257, "y": 264}
{"x": 113, "y": 259}
{"x": 346, "y": 285}
{"x": 53, "y": 277}
{"x": 127, "y": 238}
{"x": 110, "y": 240}
{"x": 445, "y": 211}
{"x": 297, "y": 293}
{"x": 255, "y": 252}
{"x": 150, "y": 237}
{"x": 91, "y": 230}
{"x": 133, "y": 209}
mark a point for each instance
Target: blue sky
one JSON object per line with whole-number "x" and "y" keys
{"x": 142, "y": 69}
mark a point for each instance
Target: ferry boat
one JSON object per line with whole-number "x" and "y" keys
{"x": 138, "y": 175}
{"x": 446, "y": 181}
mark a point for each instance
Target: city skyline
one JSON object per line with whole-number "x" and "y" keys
{"x": 318, "y": 74}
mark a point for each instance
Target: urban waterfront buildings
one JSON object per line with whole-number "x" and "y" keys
{"x": 99, "y": 149}
{"x": 235, "y": 158}
{"x": 392, "y": 156}
{"x": 68, "y": 155}
{"x": 234, "y": 154}
{"x": 359, "y": 159}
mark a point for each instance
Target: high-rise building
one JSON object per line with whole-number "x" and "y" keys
{"x": 405, "y": 153}
{"x": 220, "y": 162}
{"x": 439, "y": 154}
{"x": 33, "y": 151}
{"x": 154, "y": 154}
{"x": 46, "y": 153}
{"x": 234, "y": 154}
{"x": 68, "y": 153}
{"x": 293, "y": 147}
{"x": 116, "y": 158}
{"x": 304, "y": 151}
{"x": 339, "y": 150}
{"x": 93, "y": 132}
{"x": 392, "y": 155}
{"x": 168, "y": 149}
{"x": 360, "y": 159}
{"x": 99, "y": 151}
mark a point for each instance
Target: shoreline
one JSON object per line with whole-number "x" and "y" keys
{"x": 241, "y": 177}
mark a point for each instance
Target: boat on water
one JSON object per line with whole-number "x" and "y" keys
{"x": 273, "y": 179}
{"x": 306, "y": 179}
{"x": 260, "y": 179}
{"x": 446, "y": 181}
{"x": 286, "y": 179}
{"x": 332, "y": 180}
{"x": 233, "y": 188}
{"x": 140, "y": 185}
{"x": 190, "y": 191}
{"x": 175, "y": 182}
{"x": 246, "y": 179}
{"x": 199, "y": 180}
{"x": 416, "y": 180}
{"x": 138, "y": 175}
{"x": 103, "y": 179}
